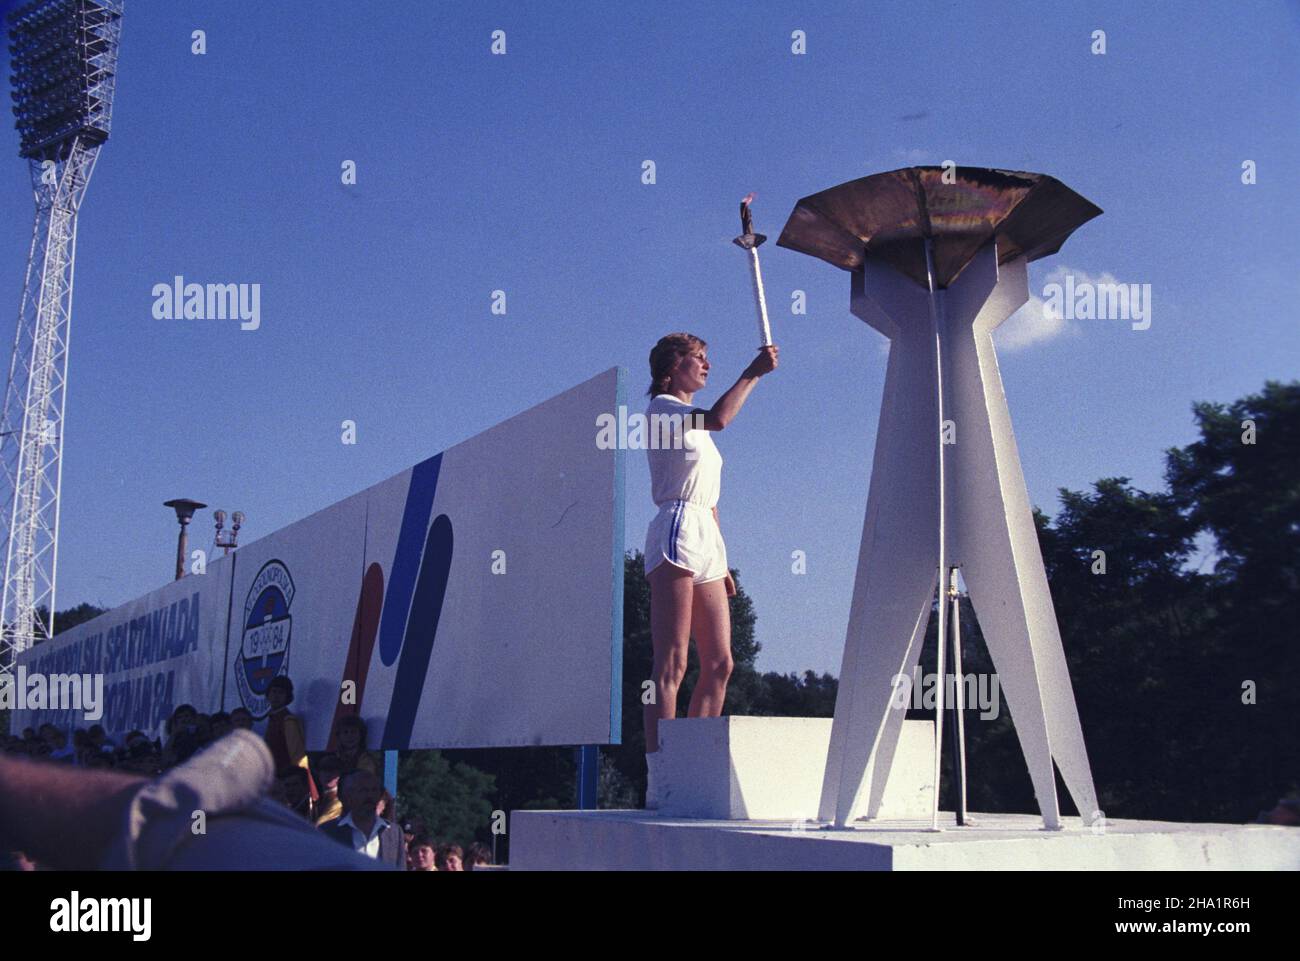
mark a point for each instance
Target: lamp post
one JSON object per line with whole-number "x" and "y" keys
{"x": 228, "y": 539}
{"x": 184, "y": 512}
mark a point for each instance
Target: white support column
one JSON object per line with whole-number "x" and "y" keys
{"x": 990, "y": 535}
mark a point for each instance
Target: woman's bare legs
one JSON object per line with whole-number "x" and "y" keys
{"x": 711, "y": 623}
{"x": 671, "y": 590}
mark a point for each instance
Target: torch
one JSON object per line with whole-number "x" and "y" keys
{"x": 751, "y": 241}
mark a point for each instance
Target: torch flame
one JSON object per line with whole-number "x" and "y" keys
{"x": 749, "y": 198}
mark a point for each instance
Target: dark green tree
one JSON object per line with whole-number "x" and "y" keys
{"x": 65, "y": 620}
{"x": 1166, "y": 658}
{"x": 1239, "y": 484}
{"x": 789, "y": 695}
{"x": 452, "y": 799}
{"x": 70, "y": 618}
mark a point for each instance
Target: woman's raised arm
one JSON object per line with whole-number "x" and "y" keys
{"x": 728, "y": 405}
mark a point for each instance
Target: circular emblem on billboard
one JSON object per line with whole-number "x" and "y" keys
{"x": 264, "y": 644}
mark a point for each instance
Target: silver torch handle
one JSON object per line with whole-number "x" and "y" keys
{"x": 764, "y": 328}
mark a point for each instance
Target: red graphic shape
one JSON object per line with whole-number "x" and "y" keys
{"x": 365, "y": 628}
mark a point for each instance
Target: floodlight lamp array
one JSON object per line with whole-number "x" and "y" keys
{"x": 64, "y": 55}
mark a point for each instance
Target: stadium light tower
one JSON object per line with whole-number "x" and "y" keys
{"x": 64, "y": 58}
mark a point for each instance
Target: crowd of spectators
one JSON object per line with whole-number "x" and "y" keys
{"x": 339, "y": 790}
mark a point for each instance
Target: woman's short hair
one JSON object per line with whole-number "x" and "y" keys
{"x": 282, "y": 682}
{"x": 664, "y": 356}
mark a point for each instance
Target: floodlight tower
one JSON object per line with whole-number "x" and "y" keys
{"x": 64, "y": 57}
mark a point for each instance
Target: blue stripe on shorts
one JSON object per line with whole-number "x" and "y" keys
{"x": 672, "y": 540}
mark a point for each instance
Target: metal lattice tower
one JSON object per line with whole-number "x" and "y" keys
{"x": 64, "y": 55}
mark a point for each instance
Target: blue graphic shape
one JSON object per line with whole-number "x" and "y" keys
{"x": 406, "y": 562}
{"x": 421, "y": 631}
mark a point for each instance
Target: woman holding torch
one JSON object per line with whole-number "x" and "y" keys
{"x": 685, "y": 557}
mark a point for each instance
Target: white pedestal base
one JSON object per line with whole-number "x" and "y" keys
{"x": 771, "y": 768}
{"x": 640, "y": 841}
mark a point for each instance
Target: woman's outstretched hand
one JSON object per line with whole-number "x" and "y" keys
{"x": 764, "y": 363}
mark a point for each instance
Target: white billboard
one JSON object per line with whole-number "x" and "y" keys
{"x": 153, "y": 653}
{"x": 474, "y": 600}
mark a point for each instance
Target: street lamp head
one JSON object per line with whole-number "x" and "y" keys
{"x": 184, "y": 508}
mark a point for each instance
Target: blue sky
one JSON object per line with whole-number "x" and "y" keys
{"x": 522, "y": 172}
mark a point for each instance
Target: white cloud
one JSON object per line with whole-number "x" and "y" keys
{"x": 1036, "y": 321}
{"x": 1031, "y": 324}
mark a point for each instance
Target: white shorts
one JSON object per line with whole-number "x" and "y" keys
{"x": 686, "y": 535}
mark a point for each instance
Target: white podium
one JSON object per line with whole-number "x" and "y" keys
{"x": 771, "y": 768}
{"x": 741, "y": 794}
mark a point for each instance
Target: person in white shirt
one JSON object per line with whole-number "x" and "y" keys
{"x": 361, "y": 828}
{"x": 685, "y": 556}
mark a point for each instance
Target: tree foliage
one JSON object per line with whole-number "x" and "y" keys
{"x": 1186, "y": 680}
{"x": 452, "y": 799}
